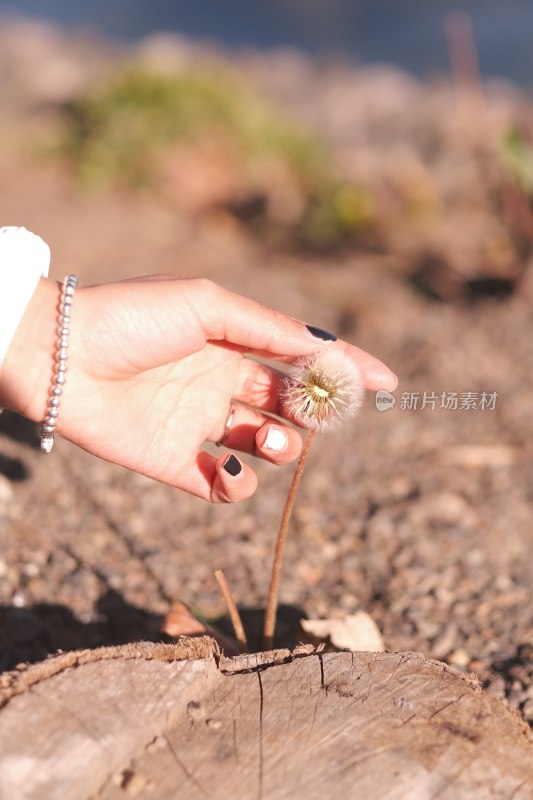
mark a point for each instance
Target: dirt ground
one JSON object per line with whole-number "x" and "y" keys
{"x": 421, "y": 517}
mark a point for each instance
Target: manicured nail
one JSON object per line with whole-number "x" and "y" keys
{"x": 232, "y": 465}
{"x": 275, "y": 440}
{"x": 320, "y": 333}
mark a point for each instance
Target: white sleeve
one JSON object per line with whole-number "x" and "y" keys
{"x": 24, "y": 259}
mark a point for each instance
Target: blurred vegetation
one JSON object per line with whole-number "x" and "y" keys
{"x": 115, "y": 131}
{"x": 517, "y": 194}
{"x": 118, "y": 133}
{"x": 518, "y": 154}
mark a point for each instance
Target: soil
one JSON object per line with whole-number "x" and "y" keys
{"x": 421, "y": 517}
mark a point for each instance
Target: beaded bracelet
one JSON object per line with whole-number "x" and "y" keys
{"x": 48, "y": 426}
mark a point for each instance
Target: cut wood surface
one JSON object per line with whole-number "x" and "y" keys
{"x": 173, "y": 722}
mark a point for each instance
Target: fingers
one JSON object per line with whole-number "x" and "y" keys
{"x": 158, "y": 321}
{"x": 257, "y": 328}
{"x": 227, "y": 316}
{"x": 254, "y": 433}
{"x": 259, "y": 385}
{"x": 234, "y": 480}
{"x": 278, "y": 444}
{"x": 226, "y": 479}
{"x": 375, "y": 374}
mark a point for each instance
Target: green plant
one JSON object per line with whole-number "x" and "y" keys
{"x": 518, "y": 156}
{"x": 115, "y": 131}
{"x": 119, "y": 132}
{"x": 334, "y": 213}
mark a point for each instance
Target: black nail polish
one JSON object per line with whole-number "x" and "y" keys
{"x": 232, "y": 465}
{"x": 320, "y": 333}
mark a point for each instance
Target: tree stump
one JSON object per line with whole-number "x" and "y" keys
{"x": 182, "y": 722}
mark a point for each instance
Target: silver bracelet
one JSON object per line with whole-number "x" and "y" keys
{"x": 48, "y": 426}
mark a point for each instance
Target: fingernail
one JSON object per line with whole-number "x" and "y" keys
{"x": 320, "y": 333}
{"x": 275, "y": 440}
{"x": 388, "y": 381}
{"x": 232, "y": 465}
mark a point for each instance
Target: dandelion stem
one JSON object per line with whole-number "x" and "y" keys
{"x": 232, "y": 610}
{"x": 273, "y": 592}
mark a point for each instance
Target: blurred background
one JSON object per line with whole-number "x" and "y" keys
{"x": 407, "y": 33}
{"x": 365, "y": 166}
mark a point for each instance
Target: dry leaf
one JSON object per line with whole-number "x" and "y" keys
{"x": 354, "y": 632}
{"x": 180, "y": 621}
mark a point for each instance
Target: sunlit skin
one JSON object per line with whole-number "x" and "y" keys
{"x": 154, "y": 366}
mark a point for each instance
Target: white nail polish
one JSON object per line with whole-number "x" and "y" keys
{"x": 276, "y": 440}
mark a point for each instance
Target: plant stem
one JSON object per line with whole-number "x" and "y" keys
{"x": 464, "y": 59}
{"x": 232, "y": 610}
{"x": 273, "y": 592}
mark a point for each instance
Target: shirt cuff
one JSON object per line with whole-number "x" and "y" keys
{"x": 24, "y": 259}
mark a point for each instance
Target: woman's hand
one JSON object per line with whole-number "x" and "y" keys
{"x": 154, "y": 367}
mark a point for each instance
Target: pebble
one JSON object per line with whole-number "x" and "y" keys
{"x": 6, "y": 493}
{"x": 157, "y": 744}
{"x": 459, "y": 658}
{"x": 19, "y": 599}
{"x": 527, "y": 710}
{"x": 134, "y": 783}
{"x": 442, "y": 646}
{"x": 196, "y": 710}
{"x": 496, "y": 687}
{"x": 477, "y": 666}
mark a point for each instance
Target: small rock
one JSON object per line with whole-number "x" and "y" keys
{"x": 157, "y": 744}
{"x": 444, "y": 644}
{"x": 19, "y": 599}
{"x": 459, "y": 658}
{"x": 477, "y": 666}
{"x": 30, "y": 569}
{"x": 6, "y": 492}
{"x": 527, "y": 710}
{"x": 195, "y": 710}
{"x": 133, "y": 783}
{"x": 497, "y": 687}
{"x": 213, "y": 724}
{"x": 402, "y": 487}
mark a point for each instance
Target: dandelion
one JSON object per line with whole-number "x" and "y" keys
{"x": 320, "y": 392}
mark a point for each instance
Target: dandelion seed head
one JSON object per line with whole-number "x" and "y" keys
{"x": 322, "y": 390}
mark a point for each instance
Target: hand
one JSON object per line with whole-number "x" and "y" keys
{"x": 154, "y": 366}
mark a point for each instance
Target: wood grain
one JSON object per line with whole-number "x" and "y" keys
{"x": 182, "y": 722}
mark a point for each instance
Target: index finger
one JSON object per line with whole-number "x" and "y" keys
{"x": 268, "y": 333}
